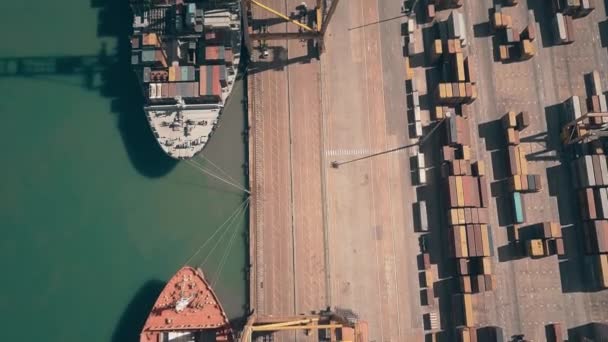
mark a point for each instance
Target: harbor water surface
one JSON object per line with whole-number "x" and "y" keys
{"x": 94, "y": 217}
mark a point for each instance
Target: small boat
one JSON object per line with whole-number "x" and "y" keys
{"x": 187, "y": 310}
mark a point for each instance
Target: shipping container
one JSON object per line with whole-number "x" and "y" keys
{"x": 421, "y": 176}
{"x": 424, "y": 224}
{"x": 464, "y": 284}
{"x": 535, "y": 248}
{"x": 512, "y": 136}
{"x": 485, "y": 240}
{"x": 463, "y": 334}
{"x": 465, "y": 315}
{"x": 561, "y": 35}
{"x": 484, "y": 199}
{"x": 569, "y": 29}
{"x": 518, "y": 208}
{"x": 462, "y": 266}
{"x": 426, "y": 261}
{"x": 556, "y": 246}
{"x": 460, "y": 191}
{"x": 479, "y": 168}
{"x": 522, "y": 121}
{"x": 602, "y": 270}
{"x": 554, "y": 332}
{"x": 514, "y": 160}
{"x": 478, "y": 240}
{"x": 490, "y": 282}
{"x": 471, "y": 242}
{"x": 572, "y": 107}
{"x": 485, "y": 265}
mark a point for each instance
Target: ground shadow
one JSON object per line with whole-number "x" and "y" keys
{"x": 543, "y": 14}
{"x": 120, "y": 83}
{"x": 511, "y": 251}
{"x": 589, "y": 332}
{"x": 134, "y": 316}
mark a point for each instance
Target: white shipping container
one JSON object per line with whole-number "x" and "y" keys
{"x": 418, "y": 128}
{"x": 604, "y": 202}
{"x": 604, "y": 169}
{"x": 562, "y": 35}
{"x": 417, "y": 114}
{"x": 596, "y": 86}
{"x": 420, "y": 160}
{"x": 411, "y": 26}
{"x": 421, "y": 176}
{"x": 416, "y": 99}
{"x": 603, "y": 107}
{"x": 424, "y": 223}
{"x": 576, "y": 106}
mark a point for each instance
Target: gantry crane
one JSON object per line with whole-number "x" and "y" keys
{"x": 587, "y": 127}
{"x": 316, "y": 32}
{"x": 335, "y": 328}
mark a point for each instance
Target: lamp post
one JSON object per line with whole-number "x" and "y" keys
{"x": 336, "y": 164}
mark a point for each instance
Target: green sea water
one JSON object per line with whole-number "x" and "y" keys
{"x": 94, "y": 218}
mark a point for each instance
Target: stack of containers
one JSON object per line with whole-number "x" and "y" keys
{"x": 544, "y": 239}
{"x": 592, "y": 182}
{"x": 414, "y": 106}
{"x": 516, "y": 45}
{"x": 427, "y": 293}
{"x": 519, "y": 181}
{"x": 596, "y": 103}
{"x": 566, "y": 12}
{"x": 469, "y": 236}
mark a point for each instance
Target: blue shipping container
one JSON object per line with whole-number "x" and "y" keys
{"x": 518, "y": 209}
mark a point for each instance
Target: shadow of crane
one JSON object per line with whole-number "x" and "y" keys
{"x": 110, "y": 73}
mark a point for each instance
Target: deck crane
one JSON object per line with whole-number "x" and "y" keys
{"x": 316, "y": 32}
{"x": 334, "y": 327}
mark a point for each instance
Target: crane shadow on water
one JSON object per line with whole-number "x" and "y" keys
{"x": 119, "y": 83}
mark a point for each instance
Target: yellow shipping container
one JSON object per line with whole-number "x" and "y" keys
{"x": 523, "y": 162}
{"x": 460, "y": 66}
{"x": 468, "y": 310}
{"x": 453, "y": 216}
{"x": 409, "y": 72}
{"x": 466, "y": 152}
{"x": 603, "y": 270}
{"x": 463, "y": 241}
{"x": 172, "y": 73}
{"x": 459, "y": 192}
{"x": 535, "y": 248}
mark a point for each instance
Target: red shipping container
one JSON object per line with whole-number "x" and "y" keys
{"x": 471, "y": 241}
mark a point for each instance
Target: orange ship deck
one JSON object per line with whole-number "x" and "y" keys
{"x": 188, "y": 310}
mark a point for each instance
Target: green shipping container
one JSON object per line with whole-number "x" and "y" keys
{"x": 518, "y": 210}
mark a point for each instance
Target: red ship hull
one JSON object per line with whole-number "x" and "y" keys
{"x": 187, "y": 310}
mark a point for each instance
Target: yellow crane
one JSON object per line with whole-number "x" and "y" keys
{"x": 316, "y": 32}
{"x": 337, "y": 329}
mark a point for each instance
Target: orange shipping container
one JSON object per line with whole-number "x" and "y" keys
{"x": 603, "y": 270}
{"x": 460, "y": 191}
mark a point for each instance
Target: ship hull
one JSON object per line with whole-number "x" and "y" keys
{"x": 187, "y": 309}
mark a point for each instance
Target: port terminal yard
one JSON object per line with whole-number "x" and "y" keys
{"x": 371, "y": 236}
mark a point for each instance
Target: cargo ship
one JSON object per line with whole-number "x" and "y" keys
{"x": 187, "y": 310}
{"x": 186, "y": 55}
